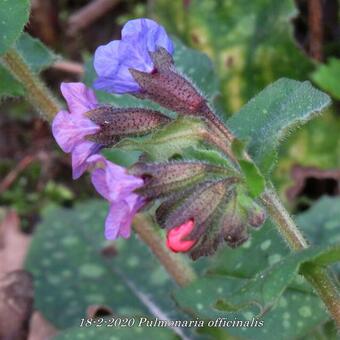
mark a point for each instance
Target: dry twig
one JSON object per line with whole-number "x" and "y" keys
{"x": 13, "y": 174}
{"x": 315, "y": 29}
{"x": 88, "y": 14}
{"x": 69, "y": 67}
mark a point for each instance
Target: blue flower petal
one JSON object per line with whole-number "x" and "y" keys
{"x": 112, "y": 61}
{"x": 149, "y": 32}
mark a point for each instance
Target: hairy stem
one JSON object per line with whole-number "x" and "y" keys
{"x": 317, "y": 276}
{"x": 181, "y": 272}
{"x": 44, "y": 102}
{"x": 285, "y": 223}
{"x": 323, "y": 284}
{"x": 37, "y": 93}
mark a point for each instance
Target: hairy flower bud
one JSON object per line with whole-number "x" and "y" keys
{"x": 230, "y": 222}
{"x": 116, "y": 123}
{"x": 256, "y": 216}
{"x": 161, "y": 179}
{"x": 226, "y": 224}
{"x": 197, "y": 204}
{"x": 168, "y": 88}
{"x": 234, "y": 227}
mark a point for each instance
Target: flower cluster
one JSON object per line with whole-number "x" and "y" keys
{"x": 197, "y": 201}
{"x": 87, "y": 127}
{"x": 72, "y": 130}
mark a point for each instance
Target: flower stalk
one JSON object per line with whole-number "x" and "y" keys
{"x": 316, "y": 275}
{"x": 284, "y": 222}
{"x": 321, "y": 280}
{"x": 38, "y": 94}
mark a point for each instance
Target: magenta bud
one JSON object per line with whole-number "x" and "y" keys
{"x": 168, "y": 88}
{"x": 116, "y": 123}
{"x": 176, "y": 239}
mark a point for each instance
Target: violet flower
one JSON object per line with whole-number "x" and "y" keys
{"x": 117, "y": 186}
{"x": 112, "y": 61}
{"x": 70, "y": 128}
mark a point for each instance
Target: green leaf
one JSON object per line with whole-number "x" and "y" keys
{"x": 265, "y": 245}
{"x": 266, "y": 287}
{"x": 121, "y": 157}
{"x": 182, "y": 133}
{"x": 238, "y": 147}
{"x": 268, "y": 117}
{"x": 327, "y": 77}
{"x": 295, "y": 314}
{"x": 36, "y": 55}
{"x": 329, "y": 257}
{"x": 114, "y": 333}
{"x": 13, "y": 17}
{"x": 71, "y": 270}
{"x": 9, "y": 87}
{"x": 322, "y": 224}
{"x": 231, "y": 269}
{"x": 254, "y": 180}
{"x": 205, "y": 155}
{"x": 236, "y": 298}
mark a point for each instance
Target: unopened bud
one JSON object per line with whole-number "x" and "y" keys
{"x": 116, "y": 123}
{"x": 228, "y": 224}
{"x": 176, "y": 238}
{"x": 168, "y": 88}
{"x": 256, "y": 216}
{"x": 162, "y": 179}
{"x": 234, "y": 230}
{"x": 199, "y": 204}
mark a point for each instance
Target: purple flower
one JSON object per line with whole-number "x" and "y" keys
{"x": 70, "y": 128}
{"x": 117, "y": 186}
{"x": 112, "y": 61}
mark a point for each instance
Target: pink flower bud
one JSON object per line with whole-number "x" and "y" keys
{"x": 176, "y": 238}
